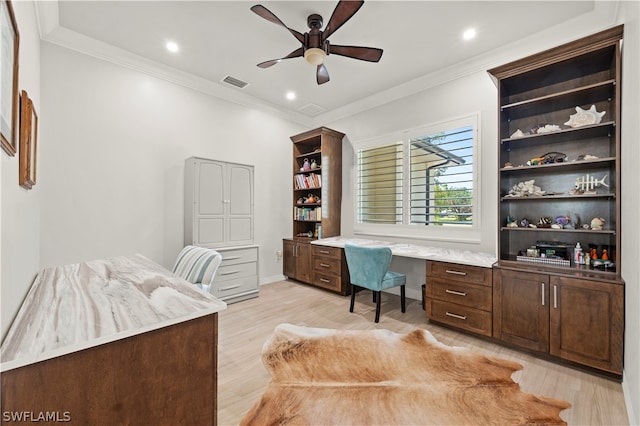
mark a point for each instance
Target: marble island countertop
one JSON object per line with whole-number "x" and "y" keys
{"x": 463, "y": 257}
{"x": 78, "y": 306}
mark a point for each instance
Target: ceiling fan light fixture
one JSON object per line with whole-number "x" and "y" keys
{"x": 314, "y": 56}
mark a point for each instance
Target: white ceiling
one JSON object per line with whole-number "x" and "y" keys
{"x": 220, "y": 38}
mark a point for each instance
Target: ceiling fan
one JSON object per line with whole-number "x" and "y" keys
{"x": 315, "y": 43}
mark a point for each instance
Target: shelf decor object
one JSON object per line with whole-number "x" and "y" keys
{"x": 543, "y": 299}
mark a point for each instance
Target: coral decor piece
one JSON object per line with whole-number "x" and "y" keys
{"x": 585, "y": 117}
{"x": 525, "y": 189}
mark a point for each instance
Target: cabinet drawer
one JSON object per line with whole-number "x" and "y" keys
{"x": 326, "y": 265}
{"x": 459, "y": 316}
{"x": 240, "y": 255}
{"x": 455, "y": 272}
{"x": 233, "y": 287}
{"x": 322, "y": 251}
{"x": 474, "y": 296}
{"x": 328, "y": 281}
{"x": 230, "y": 272}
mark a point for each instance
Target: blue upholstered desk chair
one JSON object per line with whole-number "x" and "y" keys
{"x": 368, "y": 268}
{"x": 198, "y": 265}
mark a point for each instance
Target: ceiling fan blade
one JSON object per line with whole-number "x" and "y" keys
{"x": 294, "y": 54}
{"x": 322, "y": 75}
{"x": 265, "y": 13}
{"x": 341, "y": 14}
{"x": 370, "y": 54}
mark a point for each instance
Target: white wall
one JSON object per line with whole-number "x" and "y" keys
{"x": 112, "y": 162}
{"x": 630, "y": 16}
{"x": 19, "y": 226}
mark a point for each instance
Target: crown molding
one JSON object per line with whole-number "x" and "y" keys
{"x": 52, "y": 32}
{"x": 601, "y": 17}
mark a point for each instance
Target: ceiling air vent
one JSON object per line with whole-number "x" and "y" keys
{"x": 311, "y": 110}
{"x": 235, "y": 82}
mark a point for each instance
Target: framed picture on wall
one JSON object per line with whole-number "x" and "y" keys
{"x": 28, "y": 142}
{"x": 8, "y": 77}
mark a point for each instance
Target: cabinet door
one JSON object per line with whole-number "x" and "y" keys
{"x": 587, "y": 322}
{"x": 521, "y": 309}
{"x": 303, "y": 262}
{"x": 209, "y": 203}
{"x": 288, "y": 259}
{"x": 240, "y": 203}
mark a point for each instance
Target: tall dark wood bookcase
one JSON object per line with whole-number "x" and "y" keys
{"x": 546, "y": 303}
{"x": 316, "y": 201}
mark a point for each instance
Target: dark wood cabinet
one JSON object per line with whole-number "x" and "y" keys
{"x": 521, "y": 309}
{"x": 575, "y": 319}
{"x": 587, "y": 322}
{"x": 559, "y": 129}
{"x": 297, "y": 260}
{"x": 316, "y": 200}
{"x": 329, "y": 269}
{"x": 459, "y": 296}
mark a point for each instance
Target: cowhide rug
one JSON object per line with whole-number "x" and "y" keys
{"x": 335, "y": 377}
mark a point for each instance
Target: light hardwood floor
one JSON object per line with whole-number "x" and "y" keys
{"x": 245, "y": 326}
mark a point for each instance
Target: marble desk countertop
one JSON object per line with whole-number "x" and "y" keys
{"x": 463, "y": 257}
{"x": 74, "y": 307}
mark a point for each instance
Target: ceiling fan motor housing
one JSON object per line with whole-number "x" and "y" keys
{"x": 314, "y": 21}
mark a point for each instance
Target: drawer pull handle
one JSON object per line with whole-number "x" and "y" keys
{"x": 324, "y": 265}
{"x": 449, "y": 271}
{"x": 542, "y": 292}
{"x": 449, "y": 314}
{"x": 324, "y": 251}
{"x": 457, "y": 293}
{"x": 231, "y": 258}
{"x": 230, "y": 272}
{"x": 230, "y": 287}
{"x": 325, "y": 280}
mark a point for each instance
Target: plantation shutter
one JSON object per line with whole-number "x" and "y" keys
{"x": 380, "y": 184}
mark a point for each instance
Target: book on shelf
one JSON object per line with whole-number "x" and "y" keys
{"x": 310, "y": 181}
{"x": 307, "y": 213}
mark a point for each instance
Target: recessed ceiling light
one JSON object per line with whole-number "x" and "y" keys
{"x": 291, "y": 95}
{"x": 172, "y": 46}
{"x": 469, "y": 33}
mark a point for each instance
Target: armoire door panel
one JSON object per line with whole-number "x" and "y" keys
{"x": 210, "y": 231}
{"x": 240, "y": 229}
{"x": 241, "y": 191}
{"x": 210, "y": 189}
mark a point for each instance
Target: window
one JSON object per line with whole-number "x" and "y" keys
{"x": 424, "y": 178}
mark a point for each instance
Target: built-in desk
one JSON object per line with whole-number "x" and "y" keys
{"x": 462, "y": 257}
{"x": 458, "y": 289}
{"x": 112, "y": 341}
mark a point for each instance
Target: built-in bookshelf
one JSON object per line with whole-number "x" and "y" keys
{"x": 317, "y": 183}
{"x": 317, "y": 199}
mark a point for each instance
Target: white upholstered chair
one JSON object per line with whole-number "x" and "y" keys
{"x": 198, "y": 265}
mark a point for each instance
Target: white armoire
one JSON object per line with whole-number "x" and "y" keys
{"x": 219, "y": 213}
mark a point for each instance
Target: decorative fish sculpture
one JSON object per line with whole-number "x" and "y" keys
{"x": 589, "y": 182}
